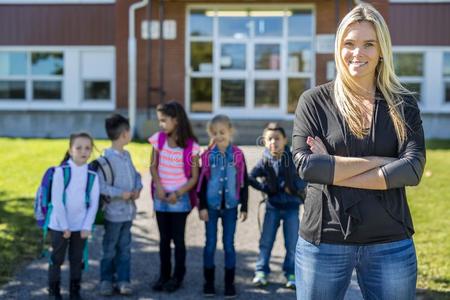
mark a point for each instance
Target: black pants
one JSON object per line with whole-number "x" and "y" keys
{"x": 171, "y": 227}
{"x": 59, "y": 245}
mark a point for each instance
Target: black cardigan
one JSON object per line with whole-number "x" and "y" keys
{"x": 349, "y": 215}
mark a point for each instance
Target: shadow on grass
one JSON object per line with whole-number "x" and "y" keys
{"x": 423, "y": 294}
{"x": 435, "y": 144}
{"x": 19, "y": 239}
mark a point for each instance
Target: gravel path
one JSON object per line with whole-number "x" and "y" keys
{"x": 31, "y": 281}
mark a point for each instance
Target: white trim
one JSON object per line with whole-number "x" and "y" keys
{"x": 420, "y": 1}
{"x": 34, "y": 2}
{"x": 72, "y": 94}
{"x": 250, "y": 75}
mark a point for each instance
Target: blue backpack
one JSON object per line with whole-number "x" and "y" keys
{"x": 43, "y": 200}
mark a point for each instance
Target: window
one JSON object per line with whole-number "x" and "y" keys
{"x": 409, "y": 66}
{"x": 57, "y": 78}
{"x": 446, "y": 72}
{"x": 97, "y": 73}
{"x": 249, "y": 58}
{"x": 42, "y": 71}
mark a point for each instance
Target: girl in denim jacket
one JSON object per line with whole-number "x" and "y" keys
{"x": 223, "y": 185}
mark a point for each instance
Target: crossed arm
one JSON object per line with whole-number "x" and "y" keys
{"x": 355, "y": 172}
{"x": 315, "y": 164}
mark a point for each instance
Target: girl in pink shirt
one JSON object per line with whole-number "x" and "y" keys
{"x": 174, "y": 170}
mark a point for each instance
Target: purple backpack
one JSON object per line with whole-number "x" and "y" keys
{"x": 187, "y": 162}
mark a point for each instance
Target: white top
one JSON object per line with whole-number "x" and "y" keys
{"x": 74, "y": 215}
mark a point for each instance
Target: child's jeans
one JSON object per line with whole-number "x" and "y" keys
{"x": 384, "y": 271}
{"x": 229, "y": 218}
{"x": 115, "y": 263}
{"x": 59, "y": 245}
{"x": 272, "y": 220}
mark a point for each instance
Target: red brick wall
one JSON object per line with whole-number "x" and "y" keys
{"x": 174, "y": 54}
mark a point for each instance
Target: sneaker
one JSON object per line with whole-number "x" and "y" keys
{"x": 106, "y": 288}
{"x": 124, "y": 288}
{"x": 260, "y": 279}
{"x": 159, "y": 285}
{"x": 172, "y": 285}
{"x": 290, "y": 283}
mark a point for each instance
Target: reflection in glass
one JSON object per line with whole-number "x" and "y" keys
{"x": 447, "y": 64}
{"x": 268, "y": 26}
{"x": 200, "y": 24}
{"x": 97, "y": 90}
{"x": 267, "y": 57}
{"x": 300, "y": 23}
{"x": 232, "y": 93}
{"x": 232, "y": 57}
{"x": 13, "y": 63}
{"x": 236, "y": 27}
{"x": 47, "y": 90}
{"x": 201, "y": 94}
{"x": 296, "y": 86}
{"x": 47, "y": 63}
{"x": 414, "y": 87}
{"x": 12, "y": 90}
{"x": 201, "y": 56}
{"x": 408, "y": 64}
{"x": 267, "y": 93}
{"x": 299, "y": 57}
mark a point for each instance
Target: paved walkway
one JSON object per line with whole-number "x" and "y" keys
{"x": 31, "y": 282}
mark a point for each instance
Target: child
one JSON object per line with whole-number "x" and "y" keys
{"x": 284, "y": 189}
{"x": 222, "y": 186}
{"x": 71, "y": 219}
{"x": 120, "y": 210}
{"x": 174, "y": 170}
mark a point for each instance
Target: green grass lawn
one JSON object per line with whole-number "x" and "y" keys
{"x": 25, "y": 160}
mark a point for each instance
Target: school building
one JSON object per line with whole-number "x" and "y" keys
{"x": 66, "y": 64}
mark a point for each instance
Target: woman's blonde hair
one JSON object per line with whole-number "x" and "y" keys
{"x": 386, "y": 81}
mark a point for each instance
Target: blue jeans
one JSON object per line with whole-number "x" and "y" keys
{"x": 385, "y": 271}
{"x": 115, "y": 263}
{"x": 229, "y": 218}
{"x": 183, "y": 204}
{"x": 291, "y": 225}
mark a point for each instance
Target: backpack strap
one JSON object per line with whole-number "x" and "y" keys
{"x": 187, "y": 158}
{"x": 162, "y": 138}
{"x": 90, "y": 183}
{"x": 67, "y": 174}
{"x": 205, "y": 170}
{"x": 239, "y": 160}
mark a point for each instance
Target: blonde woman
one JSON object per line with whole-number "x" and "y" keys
{"x": 358, "y": 141}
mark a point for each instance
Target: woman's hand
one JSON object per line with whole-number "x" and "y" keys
{"x": 203, "y": 215}
{"x": 243, "y": 216}
{"x": 316, "y": 145}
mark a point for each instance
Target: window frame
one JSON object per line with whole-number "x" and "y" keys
{"x": 72, "y": 81}
{"x": 283, "y": 75}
